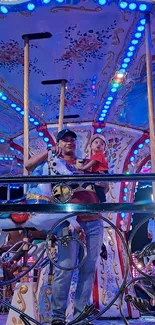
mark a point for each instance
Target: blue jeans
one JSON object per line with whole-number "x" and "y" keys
{"x": 67, "y": 257}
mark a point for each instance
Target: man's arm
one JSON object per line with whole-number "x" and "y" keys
{"x": 36, "y": 160}
{"x": 41, "y": 157}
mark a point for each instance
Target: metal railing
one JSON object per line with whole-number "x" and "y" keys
{"x": 79, "y": 178}
{"x": 145, "y": 207}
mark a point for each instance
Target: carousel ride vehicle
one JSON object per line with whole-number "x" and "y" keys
{"x": 92, "y": 54}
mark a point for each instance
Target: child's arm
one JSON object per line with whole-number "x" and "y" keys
{"x": 89, "y": 165}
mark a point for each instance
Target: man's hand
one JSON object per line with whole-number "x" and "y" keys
{"x": 57, "y": 151}
{"x": 75, "y": 226}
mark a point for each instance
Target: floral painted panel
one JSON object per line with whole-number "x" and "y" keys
{"x": 85, "y": 47}
{"x": 86, "y": 41}
{"x": 12, "y": 57}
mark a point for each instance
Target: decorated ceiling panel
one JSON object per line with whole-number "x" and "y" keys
{"x": 86, "y": 46}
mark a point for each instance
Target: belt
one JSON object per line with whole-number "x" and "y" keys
{"x": 38, "y": 198}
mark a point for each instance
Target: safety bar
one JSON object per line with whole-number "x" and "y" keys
{"x": 144, "y": 207}
{"x": 79, "y": 178}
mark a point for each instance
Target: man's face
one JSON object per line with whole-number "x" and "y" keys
{"x": 68, "y": 144}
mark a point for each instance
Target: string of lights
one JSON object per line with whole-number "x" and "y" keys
{"x": 119, "y": 78}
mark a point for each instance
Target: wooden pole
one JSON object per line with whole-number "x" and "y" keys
{"x": 150, "y": 94}
{"x": 62, "y": 102}
{"x": 61, "y": 111}
{"x": 26, "y": 102}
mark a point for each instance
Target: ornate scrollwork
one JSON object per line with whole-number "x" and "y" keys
{"x": 69, "y": 8}
{"x": 116, "y": 39}
{"x": 17, "y": 321}
{"x": 23, "y": 289}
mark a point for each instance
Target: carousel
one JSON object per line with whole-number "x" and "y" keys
{"x": 86, "y": 66}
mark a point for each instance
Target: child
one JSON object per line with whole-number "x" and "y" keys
{"x": 98, "y": 163}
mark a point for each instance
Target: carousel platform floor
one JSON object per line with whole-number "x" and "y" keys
{"x": 145, "y": 320}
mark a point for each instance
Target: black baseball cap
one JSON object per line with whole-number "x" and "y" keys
{"x": 62, "y": 133}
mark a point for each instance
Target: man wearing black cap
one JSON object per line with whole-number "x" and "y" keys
{"x": 66, "y": 146}
{"x": 65, "y": 132}
{"x": 61, "y": 146}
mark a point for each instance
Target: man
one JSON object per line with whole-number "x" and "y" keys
{"x": 67, "y": 257}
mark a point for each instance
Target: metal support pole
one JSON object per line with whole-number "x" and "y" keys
{"x": 62, "y": 102}
{"x": 150, "y": 93}
{"x": 26, "y": 102}
{"x": 8, "y": 192}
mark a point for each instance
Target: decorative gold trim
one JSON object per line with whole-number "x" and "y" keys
{"x": 47, "y": 299}
{"x": 110, "y": 216}
{"x": 111, "y": 241}
{"x": 117, "y": 281}
{"x": 25, "y": 13}
{"x": 111, "y": 188}
{"x": 100, "y": 83}
{"x": 71, "y": 8}
{"x": 128, "y": 88}
{"x": 35, "y": 301}
{"x": 141, "y": 64}
{"x": 115, "y": 268}
{"x": 103, "y": 296}
{"x": 124, "y": 15}
{"x": 121, "y": 154}
{"x": 16, "y": 92}
{"x": 17, "y": 321}
{"x": 23, "y": 289}
{"x": 115, "y": 38}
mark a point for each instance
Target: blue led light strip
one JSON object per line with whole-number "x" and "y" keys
{"x": 18, "y": 109}
{"x": 24, "y": 5}
{"x": 124, "y": 65}
{"x": 131, "y": 5}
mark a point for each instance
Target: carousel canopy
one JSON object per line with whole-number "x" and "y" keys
{"x": 97, "y": 46}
